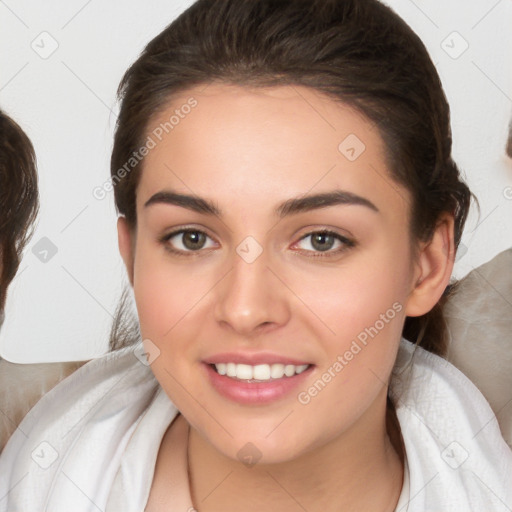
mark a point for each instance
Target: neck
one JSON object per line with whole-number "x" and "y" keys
{"x": 335, "y": 476}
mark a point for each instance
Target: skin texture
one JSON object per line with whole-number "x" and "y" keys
{"x": 248, "y": 151}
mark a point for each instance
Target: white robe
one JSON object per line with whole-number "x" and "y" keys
{"x": 90, "y": 444}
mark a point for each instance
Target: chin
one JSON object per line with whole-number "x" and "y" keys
{"x": 255, "y": 445}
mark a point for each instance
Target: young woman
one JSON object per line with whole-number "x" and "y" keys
{"x": 289, "y": 218}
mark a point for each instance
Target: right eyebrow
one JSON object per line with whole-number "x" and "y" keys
{"x": 193, "y": 203}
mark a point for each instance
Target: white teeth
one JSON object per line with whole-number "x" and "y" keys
{"x": 277, "y": 371}
{"x": 301, "y": 368}
{"x": 231, "y": 370}
{"x": 243, "y": 371}
{"x": 289, "y": 370}
{"x": 260, "y": 372}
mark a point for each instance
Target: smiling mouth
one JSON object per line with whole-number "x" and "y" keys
{"x": 259, "y": 372}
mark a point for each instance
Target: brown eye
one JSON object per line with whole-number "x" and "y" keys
{"x": 324, "y": 242}
{"x": 193, "y": 240}
{"x": 188, "y": 240}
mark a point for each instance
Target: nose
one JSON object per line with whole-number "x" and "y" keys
{"x": 250, "y": 299}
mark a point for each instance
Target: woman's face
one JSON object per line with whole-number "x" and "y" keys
{"x": 270, "y": 238}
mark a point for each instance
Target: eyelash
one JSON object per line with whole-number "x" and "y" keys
{"x": 178, "y": 252}
{"x": 346, "y": 243}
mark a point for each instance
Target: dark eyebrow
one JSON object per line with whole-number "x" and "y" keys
{"x": 313, "y": 202}
{"x": 194, "y": 203}
{"x": 290, "y": 207}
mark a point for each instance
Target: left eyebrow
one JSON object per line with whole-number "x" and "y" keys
{"x": 313, "y": 202}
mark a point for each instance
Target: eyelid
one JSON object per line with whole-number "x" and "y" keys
{"x": 323, "y": 228}
{"x": 346, "y": 242}
{"x": 187, "y": 227}
{"x": 164, "y": 239}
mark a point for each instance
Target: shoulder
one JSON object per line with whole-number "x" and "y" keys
{"x": 22, "y": 385}
{"x": 480, "y": 324}
{"x": 83, "y": 422}
{"x": 451, "y": 436}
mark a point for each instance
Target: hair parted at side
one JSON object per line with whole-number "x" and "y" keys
{"x": 358, "y": 52}
{"x": 19, "y": 198}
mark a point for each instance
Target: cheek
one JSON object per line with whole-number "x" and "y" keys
{"x": 173, "y": 305}
{"x": 167, "y": 299}
{"x": 364, "y": 290}
{"x": 365, "y": 312}
{"x": 361, "y": 306}
{"x": 165, "y": 293}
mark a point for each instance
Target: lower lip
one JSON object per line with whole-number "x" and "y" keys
{"x": 244, "y": 392}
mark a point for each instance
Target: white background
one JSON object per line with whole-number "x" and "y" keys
{"x": 61, "y": 309}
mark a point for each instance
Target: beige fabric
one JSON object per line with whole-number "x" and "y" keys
{"x": 22, "y": 385}
{"x": 479, "y": 317}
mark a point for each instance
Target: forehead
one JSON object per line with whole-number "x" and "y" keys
{"x": 264, "y": 145}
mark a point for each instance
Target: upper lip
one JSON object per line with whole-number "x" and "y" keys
{"x": 252, "y": 359}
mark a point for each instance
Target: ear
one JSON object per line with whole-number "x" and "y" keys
{"x": 433, "y": 269}
{"x": 126, "y": 245}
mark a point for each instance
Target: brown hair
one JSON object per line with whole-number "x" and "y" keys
{"x": 358, "y": 52}
{"x": 19, "y": 199}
